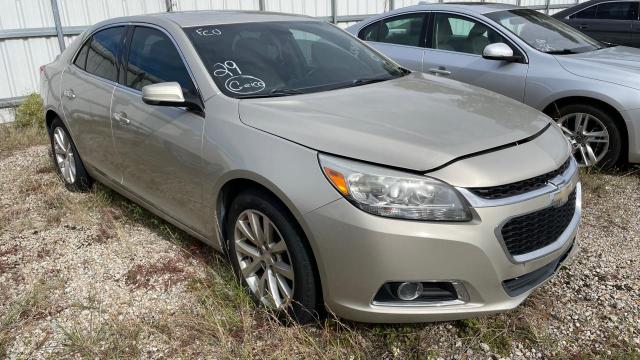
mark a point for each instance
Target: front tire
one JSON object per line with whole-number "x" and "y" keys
{"x": 269, "y": 256}
{"x": 594, "y": 135}
{"x": 66, "y": 158}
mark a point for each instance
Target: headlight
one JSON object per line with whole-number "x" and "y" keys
{"x": 391, "y": 193}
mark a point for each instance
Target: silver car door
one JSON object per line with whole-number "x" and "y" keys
{"x": 455, "y": 51}
{"x": 160, "y": 146}
{"x": 87, "y": 87}
{"x": 400, "y": 37}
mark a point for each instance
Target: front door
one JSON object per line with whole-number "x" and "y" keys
{"x": 160, "y": 146}
{"x": 455, "y": 51}
{"x": 87, "y": 85}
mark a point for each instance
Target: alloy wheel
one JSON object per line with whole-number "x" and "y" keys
{"x": 588, "y": 136}
{"x": 263, "y": 256}
{"x": 63, "y": 152}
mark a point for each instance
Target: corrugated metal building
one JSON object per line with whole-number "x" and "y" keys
{"x": 29, "y": 30}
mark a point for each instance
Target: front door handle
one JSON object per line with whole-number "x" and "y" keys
{"x": 583, "y": 26}
{"x": 121, "y": 118}
{"x": 69, "y": 94}
{"x": 440, "y": 71}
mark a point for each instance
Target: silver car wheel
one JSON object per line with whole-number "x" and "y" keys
{"x": 264, "y": 259}
{"x": 64, "y": 156}
{"x": 588, "y": 136}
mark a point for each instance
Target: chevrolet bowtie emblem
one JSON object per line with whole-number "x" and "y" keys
{"x": 560, "y": 196}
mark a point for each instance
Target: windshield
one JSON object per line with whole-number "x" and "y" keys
{"x": 286, "y": 58}
{"x": 544, "y": 33}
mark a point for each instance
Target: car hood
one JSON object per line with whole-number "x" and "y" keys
{"x": 416, "y": 122}
{"x": 619, "y": 65}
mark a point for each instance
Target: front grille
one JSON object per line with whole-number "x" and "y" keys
{"x": 519, "y": 187}
{"x": 530, "y": 232}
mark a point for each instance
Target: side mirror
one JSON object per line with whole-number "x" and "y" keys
{"x": 499, "y": 51}
{"x": 170, "y": 94}
{"x": 163, "y": 94}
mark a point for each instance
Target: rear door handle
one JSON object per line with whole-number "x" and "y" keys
{"x": 121, "y": 118}
{"x": 69, "y": 93}
{"x": 440, "y": 71}
{"x": 583, "y": 26}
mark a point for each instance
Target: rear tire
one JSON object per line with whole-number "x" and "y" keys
{"x": 600, "y": 140}
{"x": 66, "y": 159}
{"x": 273, "y": 258}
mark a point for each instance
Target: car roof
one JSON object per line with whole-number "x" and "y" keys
{"x": 215, "y": 17}
{"x": 578, "y": 7}
{"x": 472, "y": 7}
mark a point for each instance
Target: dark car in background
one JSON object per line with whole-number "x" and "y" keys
{"x": 614, "y": 22}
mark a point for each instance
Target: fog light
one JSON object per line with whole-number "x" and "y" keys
{"x": 409, "y": 290}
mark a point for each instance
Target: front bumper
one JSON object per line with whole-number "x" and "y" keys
{"x": 358, "y": 253}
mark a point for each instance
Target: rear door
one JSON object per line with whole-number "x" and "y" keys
{"x": 401, "y": 37}
{"x": 160, "y": 146}
{"x": 455, "y": 50}
{"x": 87, "y": 86}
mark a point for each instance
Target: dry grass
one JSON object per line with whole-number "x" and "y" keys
{"x": 13, "y": 138}
{"x": 36, "y": 303}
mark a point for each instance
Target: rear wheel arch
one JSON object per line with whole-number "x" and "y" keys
{"x": 50, "y": 115}
{"x": 552, "y": 110}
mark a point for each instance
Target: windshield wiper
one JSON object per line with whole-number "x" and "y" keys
{"x": 272, "y": 93}
{"x": 285, "y": 92}
{"x": 561, "y": 52}
{"x": 363, "y": 81}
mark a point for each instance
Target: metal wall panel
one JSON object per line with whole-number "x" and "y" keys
{"x": 303, "y": 7}
{"x": 184, "y": 5}
{"x": 21, "y": 14}
{"x": 89, "y": 12}
{"x": 6, "y": 115}
{"x": 20, "y": 61}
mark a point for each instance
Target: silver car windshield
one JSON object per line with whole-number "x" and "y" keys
{"x": 265, "y": 59}
{"x": 544, "y": 33}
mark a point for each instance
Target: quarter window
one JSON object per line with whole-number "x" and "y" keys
{"x": 81, "y": 59}
{"x": 154, "y": 59}
{"x": 461, "y": 34}
{"x": 588, "y": 13}
{"x": 402, "y": 30}
{"x": 101, "y": 53}
{"x": 370, "y": 32}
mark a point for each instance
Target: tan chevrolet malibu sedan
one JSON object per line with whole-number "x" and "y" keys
{"x": 333, "y": 178}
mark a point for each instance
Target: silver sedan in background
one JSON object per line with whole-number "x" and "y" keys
{"x": 591, "y": 89}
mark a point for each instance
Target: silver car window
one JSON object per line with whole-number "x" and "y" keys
{"x": 461, "y": 34}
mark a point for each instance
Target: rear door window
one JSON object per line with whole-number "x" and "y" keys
{"x": 403, "y": 30}
{"x": 617, "y": 11}
{"x": 102, "y": 52}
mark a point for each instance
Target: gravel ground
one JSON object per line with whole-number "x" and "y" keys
{"x": 93, "y": 276}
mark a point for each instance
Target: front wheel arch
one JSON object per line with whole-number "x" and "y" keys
{"x": 230, "y": 190}
{"x": 552, "y": 110}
